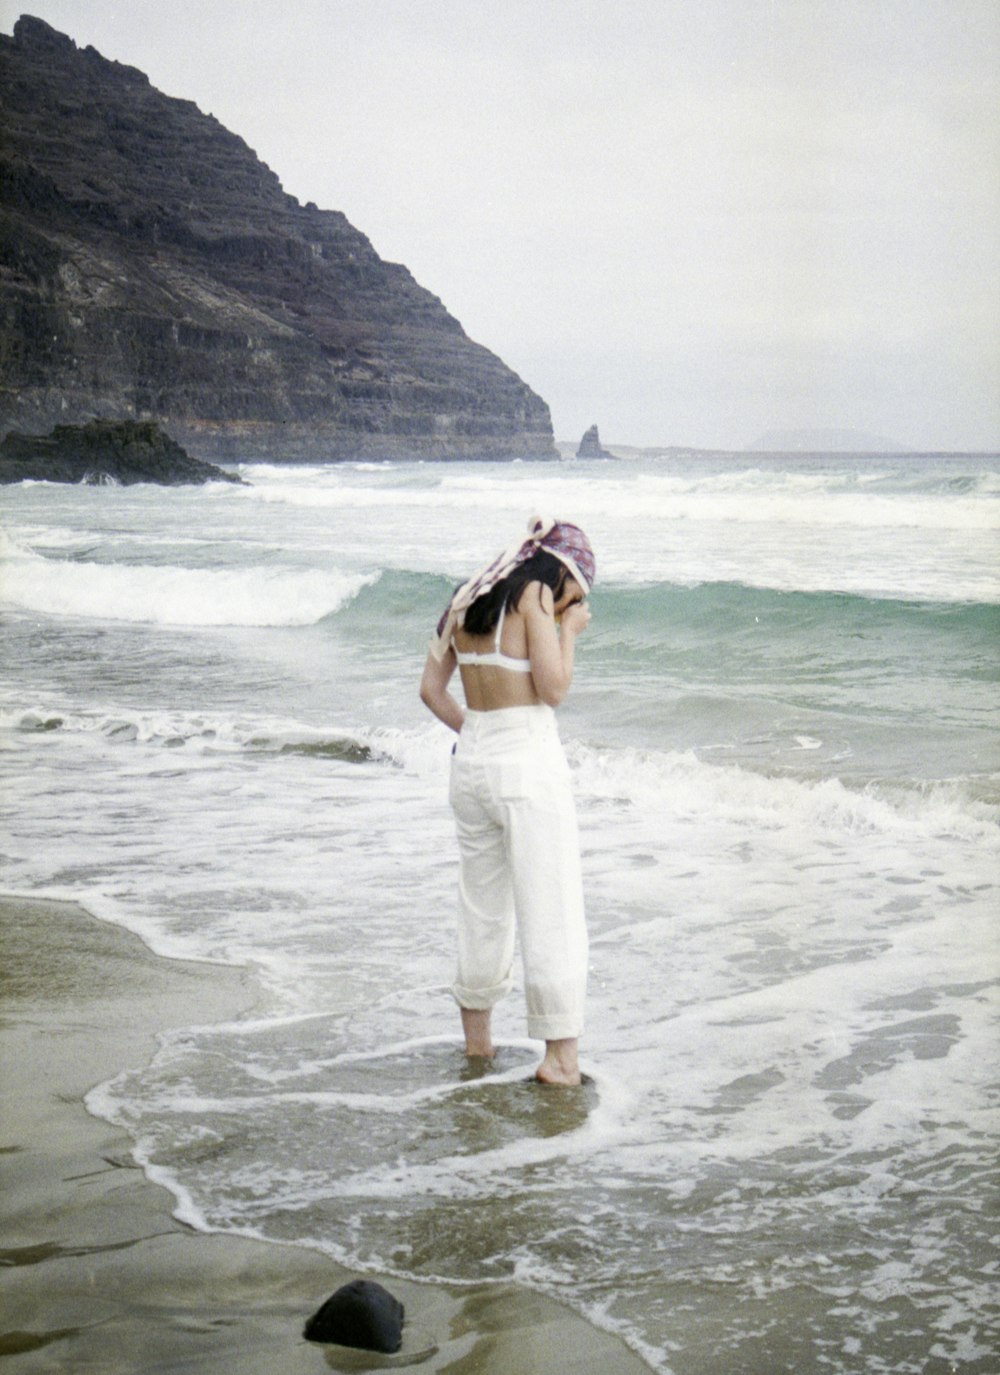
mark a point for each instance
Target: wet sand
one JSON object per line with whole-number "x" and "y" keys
{"x": 97, "y": 1276}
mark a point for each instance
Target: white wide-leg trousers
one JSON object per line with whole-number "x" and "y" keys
{"x": 520, "y": 868}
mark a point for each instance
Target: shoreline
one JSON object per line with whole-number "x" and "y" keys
{"x": 97, "y": 1275}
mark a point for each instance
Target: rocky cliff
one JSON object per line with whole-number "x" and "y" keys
{"x": 151, "y": 267}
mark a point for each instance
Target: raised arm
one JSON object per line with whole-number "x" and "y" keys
{"x": 434, "y": 692}
{"x": 551, "y": 652}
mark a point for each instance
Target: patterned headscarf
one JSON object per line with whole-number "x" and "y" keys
{"x": 567, "y": 542}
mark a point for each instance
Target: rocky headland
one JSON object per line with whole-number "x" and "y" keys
{"x": 114, "y": 452}
{"x": 152, "y": 268}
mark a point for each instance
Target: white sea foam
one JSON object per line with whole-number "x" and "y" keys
{"x": 789, "y": 1014}
{"x": 174, "y": 595}
{"x": 836, "y": 532}
{"x": 844, "y": 529}
{"x": 747, "y": 497}
{"x": 681, "y": 784}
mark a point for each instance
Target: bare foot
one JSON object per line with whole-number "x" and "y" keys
{"x": 478, "y": 1036}
{"x": 560, "y": 1065}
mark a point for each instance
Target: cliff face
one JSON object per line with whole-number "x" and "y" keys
{"x": 151, "y": 267}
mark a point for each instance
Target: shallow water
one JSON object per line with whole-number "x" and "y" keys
{"x": 784, "y": 748}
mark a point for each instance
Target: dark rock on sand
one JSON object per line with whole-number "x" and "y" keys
{"x": 590, "y": 446}
{"x": 105, "y": 451}
{"x": 361, "y": 1314}
{"x": 152, "y": 267}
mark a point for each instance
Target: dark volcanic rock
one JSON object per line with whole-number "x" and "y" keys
{"x": 590, "y": 446}
{"x": 360, "y": 1314}
{"x": 151, "y": 267}
{"x": 122, "y": 452}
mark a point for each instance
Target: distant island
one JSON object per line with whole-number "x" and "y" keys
{"x": 775, "y": 443}
{"x": 823, "y": 442}
{"x": 153, "y": 268}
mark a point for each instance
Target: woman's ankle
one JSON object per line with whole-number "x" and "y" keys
{"x": 478, "y": 1033}
{"x": 561, "y": 1064}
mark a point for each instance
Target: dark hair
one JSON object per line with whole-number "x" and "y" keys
{"x": 484, "y": 613}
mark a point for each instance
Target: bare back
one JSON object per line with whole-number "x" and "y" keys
{"x": 542, "y": 656}
{"x": 490, "y": 687}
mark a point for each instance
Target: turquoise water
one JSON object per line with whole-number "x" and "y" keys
{"x": 783, "y": 737}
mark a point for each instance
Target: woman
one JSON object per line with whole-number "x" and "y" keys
{"x": 511, "y": 632}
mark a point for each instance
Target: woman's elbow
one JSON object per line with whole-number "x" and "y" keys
{"x": 552, "y": 694}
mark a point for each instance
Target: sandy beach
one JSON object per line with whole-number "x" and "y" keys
{"x": 98, "y": 1276}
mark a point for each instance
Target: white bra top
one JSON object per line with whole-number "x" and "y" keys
{"x": 494, "y": 656}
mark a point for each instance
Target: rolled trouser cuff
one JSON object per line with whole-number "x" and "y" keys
{"x": 555, "y": 1028}
{"x": 480, "y": 999}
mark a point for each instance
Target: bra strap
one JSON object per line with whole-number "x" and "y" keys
{"x": 503, "y": 612}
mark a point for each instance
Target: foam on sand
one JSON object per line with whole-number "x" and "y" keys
{"x": 127, "y": 1287}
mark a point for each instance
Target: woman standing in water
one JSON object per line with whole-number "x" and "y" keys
{"x": 511, "y": 632}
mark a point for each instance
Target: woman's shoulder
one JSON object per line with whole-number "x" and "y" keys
{"x": 537, "y": 596}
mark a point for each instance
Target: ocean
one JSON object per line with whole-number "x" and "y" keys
{"x": 783, "y": 736}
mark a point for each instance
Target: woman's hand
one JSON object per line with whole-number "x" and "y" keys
{"x": 575, "y": 618}
{"x": 552, "y": 654}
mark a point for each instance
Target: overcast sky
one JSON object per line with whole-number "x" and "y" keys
{"x": 691, "y": 221}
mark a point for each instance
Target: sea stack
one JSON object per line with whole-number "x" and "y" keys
{"x": 590, "y": 446}
{"x": 153, "y": 268}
